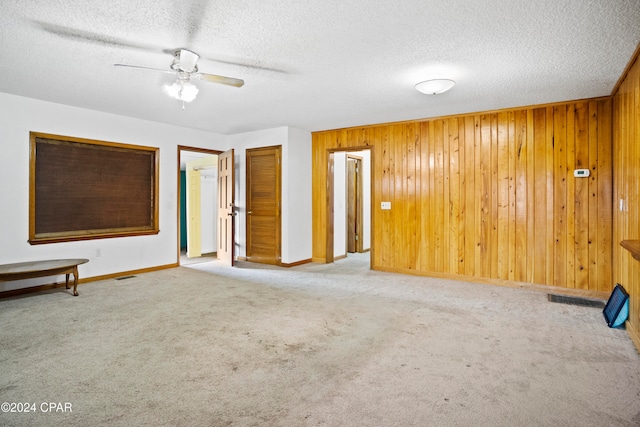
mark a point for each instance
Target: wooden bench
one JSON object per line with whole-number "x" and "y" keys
{"x": 32, "y": 269}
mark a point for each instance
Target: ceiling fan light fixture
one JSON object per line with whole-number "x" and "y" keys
{"x": 435, "y": 86}
{"x": 182, "y": 90}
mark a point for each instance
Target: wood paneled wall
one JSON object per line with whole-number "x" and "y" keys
{"x": 487, "y": 196}
{"x": 626, "y": 132}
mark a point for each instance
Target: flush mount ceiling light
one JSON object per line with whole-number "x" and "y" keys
{"x": 435, "y": 86}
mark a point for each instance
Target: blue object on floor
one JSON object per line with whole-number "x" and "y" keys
{"x": 617, "y": 309}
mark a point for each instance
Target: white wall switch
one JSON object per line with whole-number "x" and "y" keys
{"x": 385, "y": 206}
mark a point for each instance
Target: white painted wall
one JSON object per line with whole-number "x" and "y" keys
{"x": 296, "y": 188}
{"x": 339, "y": 204}
{"x": 19, "y": 116}
{"x": 296, "y": 197}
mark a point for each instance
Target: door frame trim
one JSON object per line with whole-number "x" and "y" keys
{"x": 329, "y": 257}
{"x": 178, "y": 191}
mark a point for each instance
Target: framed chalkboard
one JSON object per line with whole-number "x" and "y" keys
{"x": 83, "y": 189}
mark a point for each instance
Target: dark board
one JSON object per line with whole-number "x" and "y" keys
{"x": 87, "y": 189}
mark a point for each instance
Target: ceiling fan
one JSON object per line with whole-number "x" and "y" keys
{"x": 184, "y": 67}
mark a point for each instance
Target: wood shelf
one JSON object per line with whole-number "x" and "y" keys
{"x": 632, "y": 246}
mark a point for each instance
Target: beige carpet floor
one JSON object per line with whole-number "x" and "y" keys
{"x": 313, "y": 345}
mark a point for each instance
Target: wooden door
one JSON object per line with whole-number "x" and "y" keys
{"x": 352, "y": 235}
{"x": 226, "y": 207}
{"x": 354, "y": 204}
{"x": 263, "y": 205}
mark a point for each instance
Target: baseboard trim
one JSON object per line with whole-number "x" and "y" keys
{"x": 281, "y": 264}
{"x": 502, "y": 282}
{"x": 39, "y": 288}
{"x": 293, "y": 264}
{"x": 128, "y": 273}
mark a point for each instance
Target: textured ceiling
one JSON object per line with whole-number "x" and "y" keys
{"x": 315, "y": 65}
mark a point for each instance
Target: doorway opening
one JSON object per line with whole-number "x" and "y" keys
{"x": 197, "y": 213}
{"x": 349, "y": 205}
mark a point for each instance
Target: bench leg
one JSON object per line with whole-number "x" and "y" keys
{"x": 75, "y": 281}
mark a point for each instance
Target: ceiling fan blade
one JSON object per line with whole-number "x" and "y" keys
{"x": 245, "y": 64}
{"x": 105, "y": 40}
{"x": 146, "y": 68}
{"x": 229, "y": 81}
{"x": 91, "y": 37}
